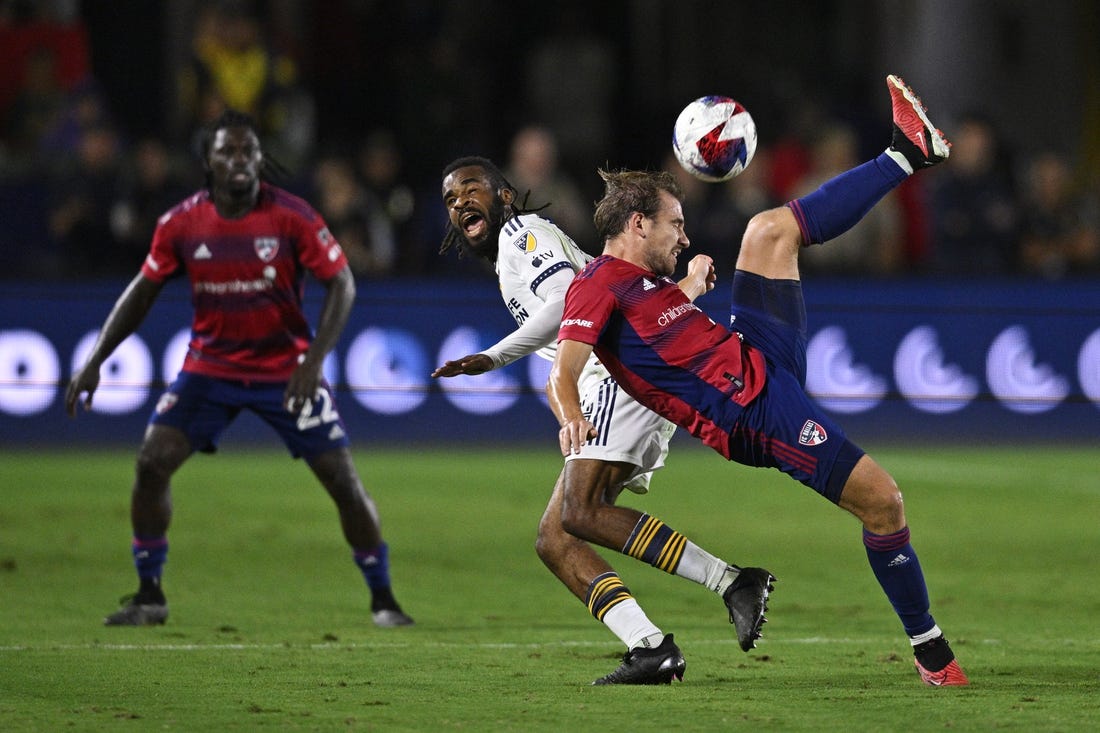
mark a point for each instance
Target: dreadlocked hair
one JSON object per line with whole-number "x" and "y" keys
{"x": 497, "y": 179}
{"x": 271, "y": 170}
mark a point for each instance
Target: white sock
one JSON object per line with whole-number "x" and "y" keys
{"x": 901, "y": 160}
{"x": 628, "y": 621}
{"x": 932, "y": 633}
{"x": 699, "y": 565}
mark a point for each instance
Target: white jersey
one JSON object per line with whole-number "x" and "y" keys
{"x": 536, "y": 262}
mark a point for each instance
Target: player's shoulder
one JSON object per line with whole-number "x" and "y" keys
{"x": 523, "y": 229}
{"x": 603, "y": 266}
{"x": 282, "y": 201}
{"x": 188, "y": 207}
{"x": 528, "y": 234}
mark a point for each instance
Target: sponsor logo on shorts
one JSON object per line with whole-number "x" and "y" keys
{"x": 166, "y": 402}
{"x": 812, "y": 434}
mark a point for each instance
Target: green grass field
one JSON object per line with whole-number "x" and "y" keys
{"x": 269, "y": 626}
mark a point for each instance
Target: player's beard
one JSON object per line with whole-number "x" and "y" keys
{"x": 486, "y": 245}
{"x": 660, "y": 265}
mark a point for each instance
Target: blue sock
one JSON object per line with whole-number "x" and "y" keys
{"x": 842, "y": 201}
{"x": 898, "y": 571}
{"x": 375, "y": 566}
{"x": 150, "y": 554}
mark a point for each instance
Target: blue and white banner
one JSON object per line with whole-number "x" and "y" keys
{"x": 1004, "y": 361}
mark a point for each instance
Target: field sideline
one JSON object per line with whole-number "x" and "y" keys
{"x": 269, "y": 626}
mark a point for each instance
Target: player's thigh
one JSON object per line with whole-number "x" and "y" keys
{"x": 589, "y": 483}
{"x": 627, "y": 432}
{"x": 200, "y": 408}
{"x": 771, "y": 317}
{"x": 785, "y": 429}
{"x": 770, "y": 245}
{"x": 313, "y": 430}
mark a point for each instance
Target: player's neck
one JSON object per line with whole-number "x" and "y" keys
{"x": 233, "y": 205}
{"x": 621, "y": 250}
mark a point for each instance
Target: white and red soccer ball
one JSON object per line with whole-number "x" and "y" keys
{"x": 714, "y": 138}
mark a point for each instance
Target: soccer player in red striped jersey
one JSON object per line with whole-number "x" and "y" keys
{"x": 245, "y": 247}
{"x": 741, "y": 390}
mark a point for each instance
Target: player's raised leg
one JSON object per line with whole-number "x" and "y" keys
{"x": 773, "y": 238}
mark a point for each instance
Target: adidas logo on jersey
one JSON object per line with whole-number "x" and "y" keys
{"x": 203, "y": 252}
{"x": 648, "y": 284}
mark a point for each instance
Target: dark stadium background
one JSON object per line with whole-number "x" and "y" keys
{"x": 453, "y": 78}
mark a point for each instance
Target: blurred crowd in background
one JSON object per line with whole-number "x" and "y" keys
{"x": 364, "y": 103}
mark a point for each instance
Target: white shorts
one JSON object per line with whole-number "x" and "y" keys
{"x": 628, "y": 432}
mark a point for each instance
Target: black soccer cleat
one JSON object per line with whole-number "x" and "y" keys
{"x": 140, "y": 609}
{"x": 746, "y": 600}
{"x": 388, "y": 618}
{"x": 642, "y": 666}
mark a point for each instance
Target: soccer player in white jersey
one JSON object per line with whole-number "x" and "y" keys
{"x": 535, "y": 262}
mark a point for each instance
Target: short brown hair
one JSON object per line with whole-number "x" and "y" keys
{"x": 628, "y": 191}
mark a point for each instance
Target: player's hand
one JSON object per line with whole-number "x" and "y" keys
{"x": 469, "y": 364}
{"x": 574, "y": 434}
{"x": 701, "y": 270}
{"x": 301, "y": 387}
{"x": 85, "y": 381}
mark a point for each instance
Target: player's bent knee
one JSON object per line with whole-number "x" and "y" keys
{"x": 771, "y": 244}
{"x": 160, "y": 455}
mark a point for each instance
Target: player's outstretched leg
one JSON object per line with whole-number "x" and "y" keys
{"x": 746, "y": 600}
{"x": 658, "y": 666}
{"x": 915, "y": 137}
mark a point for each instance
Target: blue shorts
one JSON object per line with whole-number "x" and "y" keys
{"x": 783, "y": 427}
{"x": 203, "y": 407}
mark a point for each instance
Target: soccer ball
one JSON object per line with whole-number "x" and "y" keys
{"x": 714, "y": 138}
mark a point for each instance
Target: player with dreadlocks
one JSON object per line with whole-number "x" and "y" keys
{"x": 535, "y": 262}
{"x": 245, "y": 246}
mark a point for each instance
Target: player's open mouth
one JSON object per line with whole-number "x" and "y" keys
{"x": 473, "y": 224}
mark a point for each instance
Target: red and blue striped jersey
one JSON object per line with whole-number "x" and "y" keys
{"x": 662, "y": 349}
{"x": 247, "y": 280}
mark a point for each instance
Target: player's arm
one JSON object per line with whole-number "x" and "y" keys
{"x": 539, "y": 330}
{"x": 700, "y": 277}
{"x": 564, "y": 395}
{"x": 127, "y": 314}
{"x": 339, "y": 296}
